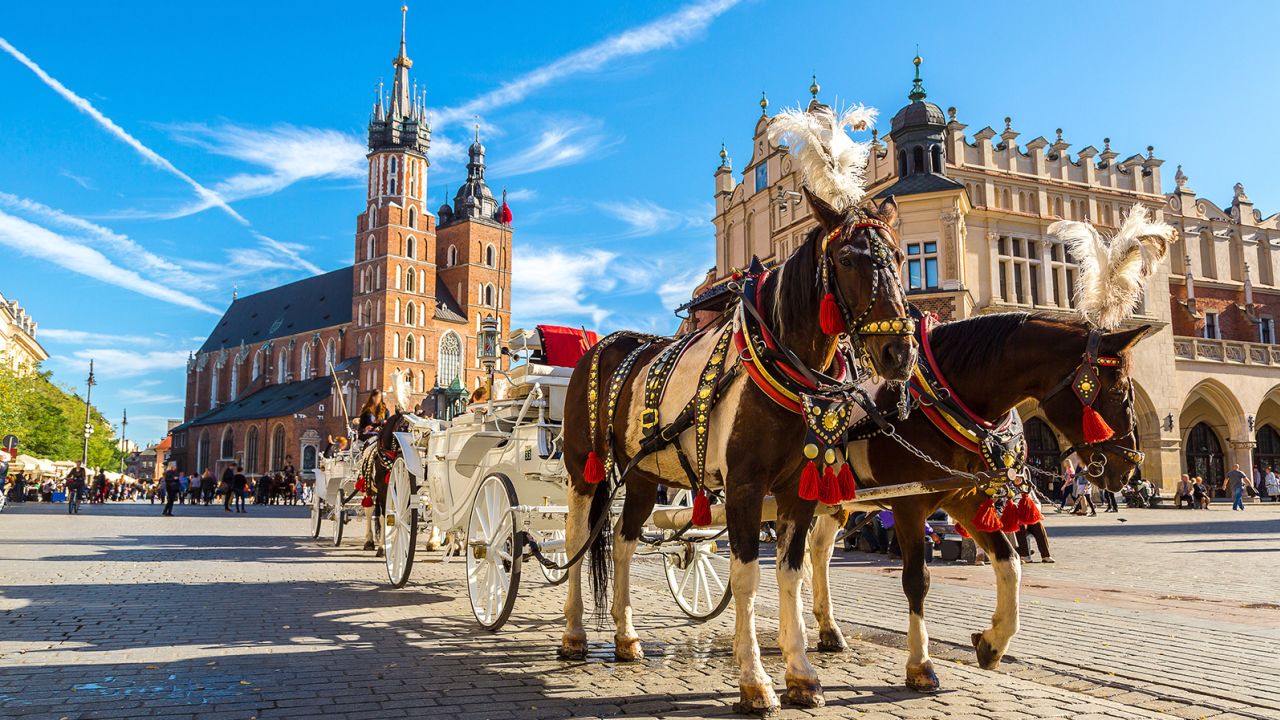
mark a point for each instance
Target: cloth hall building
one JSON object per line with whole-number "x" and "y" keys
{"x": 260, "y": 390}
{"x": 974, "y": 212}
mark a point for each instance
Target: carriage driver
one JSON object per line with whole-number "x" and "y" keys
{"x": 372, "y": 415}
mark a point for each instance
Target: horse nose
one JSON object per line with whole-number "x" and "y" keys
{"x": 897, "y": 357}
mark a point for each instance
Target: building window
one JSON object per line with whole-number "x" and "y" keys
{"x": 232, "y": 391}
{"x": 936, "y": 154}
{"x": 282, "y": 366}
{"x": 213, "y": 385}
{"x": 451, "y": 256}
{"x": 922, "y": 266}
{"x": 408, "y": 348}
{"x": 228, "y": 445}
{"x": 762, "y": 176}
{"x": 1267, "y": 331}
{"x": 1063, "y": 270}
{"x": 488, "y": 295}
{"x": 413, "y": 214}
{"x": 391, "y": 181}
{"x": 202, "y": 451}
{"x": 257, "y": 364}
{"x": 411, "y": 246}
{"x": 449, "y": 360}
{"x": 304, "y": 362}
{"x": 490, "y": 256}
{"x": 917, "y": 161}
{"x": 1019, "y": 270}
{"x": 277, "y": 448}
{"x": 902, "y": 163}
{"x": 251, "y": 451}
{"x": 366, "y": 349}
{"x": 369, "y": 246}
{"x": 409, "y": 314}
{"x": 1211, "y": 329}
{"x": 410, "y": 280}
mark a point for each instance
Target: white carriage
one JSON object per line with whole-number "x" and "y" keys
{"x": 493, "y": 477}
{"x": 335, "y": 496}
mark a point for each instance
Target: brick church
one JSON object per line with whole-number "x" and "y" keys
{"x": 262, "y": 390}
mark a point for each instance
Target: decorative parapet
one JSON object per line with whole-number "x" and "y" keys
{"x": 1226, "y": 351}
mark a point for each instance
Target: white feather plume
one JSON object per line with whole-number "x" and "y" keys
{"x": 402, "y": 389}
{"x": 834, "y": 164}
{"x": 1114, "y": 270}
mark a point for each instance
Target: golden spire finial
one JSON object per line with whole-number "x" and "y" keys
{"x": 814, "y": 87}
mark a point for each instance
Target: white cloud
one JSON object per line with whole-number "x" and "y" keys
{"x": 113, "y": 363}
{"x": 37, "y": 242}
{"x": 667, "y": 31}
{"x": 143, "y": 259}
{"x": 84, "y": 337}
{"x": 77, "y": 179}
{"x": 290, "y": 154}
{"x": 644, "y": 218}
{"x": 107, "y": 124}
{"x": 678, "y": 289}
{"x": 557, "y": 146}
{"x": 551, "y": 284}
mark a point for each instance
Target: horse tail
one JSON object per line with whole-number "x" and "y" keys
{"x": 600, "y": 551}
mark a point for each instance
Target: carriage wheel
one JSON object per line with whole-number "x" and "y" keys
{"x": 698, "y": 577}
{"x": 494, "y": 550}
{"x": 400, "y": 523}
{"x": 555, "y": 577}
{"x": 317, "y": 515}
{"x": 339, "y": 519}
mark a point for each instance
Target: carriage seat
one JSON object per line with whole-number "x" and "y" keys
{"x": 552, "y": 352}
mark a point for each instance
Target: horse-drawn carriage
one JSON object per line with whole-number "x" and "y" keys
{"x": 491, "y": 483}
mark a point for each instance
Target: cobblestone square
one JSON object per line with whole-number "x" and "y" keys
{"x": 120, "y": 613}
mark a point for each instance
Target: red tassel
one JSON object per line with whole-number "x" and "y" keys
{"x": 1030, "y": 512}
{"x": 1096, "y": 429}
{"x": 1011, "y": 518}
{"x": 809, "y": 482}
{"x": 593, "y": 472}
{"x": 986, "y": 519}
{"x": 848, "y": 486}
{"x": 366, "y": 501}
{"x": 829, "y": 489}
{"x": 961, "y": 531}
{"x": 360, "y": 485}
{"x": 830, "y": 317}
{"x": 701, "y": 509}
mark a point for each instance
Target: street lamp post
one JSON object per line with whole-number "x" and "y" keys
{"x": 88, "y": 426}
{"x": 124, "y": 444}
{"x": 489, "y": 350}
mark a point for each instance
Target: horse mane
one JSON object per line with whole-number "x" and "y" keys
{"x": 795, "y": 299}
{"x": 979, "y": 343}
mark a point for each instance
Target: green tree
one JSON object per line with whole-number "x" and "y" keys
{"x": 49, "y": 420}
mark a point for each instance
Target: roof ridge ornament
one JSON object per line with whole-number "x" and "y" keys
{"x": 917, "y": 89}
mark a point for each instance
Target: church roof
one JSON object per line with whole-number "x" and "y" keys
{"x": 317, "y": 302}
{"x": 271, "y": 401}
{"x": 920, "y": 184}
{"x": 447, "y": 307}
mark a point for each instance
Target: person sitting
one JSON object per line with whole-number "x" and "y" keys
{"x": 1199, "y": 493}
{"x": 372, "y": 415}
{"x": 1183, "y": 493}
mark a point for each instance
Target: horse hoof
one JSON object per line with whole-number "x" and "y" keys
{"x": 368, "y": 545}
{"x": 831, "y": 641}
{"x": 572, "y": 649}
{"x": 380, "y": 553}
{"x": 804, "y": 693}
{"x": 758, "y": 701}
{"x": 627, "y": 649}
{"x": 923, "y": 679}
{"x": 988, "y": 656}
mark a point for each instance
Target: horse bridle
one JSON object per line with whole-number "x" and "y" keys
{"x": 881, "y": 264}
{"x": 1085, "y": 383}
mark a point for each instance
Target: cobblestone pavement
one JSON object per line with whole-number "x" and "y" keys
{"x": 121, "y": 613}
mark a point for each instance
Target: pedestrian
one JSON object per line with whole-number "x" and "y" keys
{"x": 1259, "y": 483}
{"x": 75, "y": 488}
{"x": 1036, "y": 530}
{"x": 1068, "y": 485}
{"x": 1083, "y": 493}
{"x": 172, "y": 487}
{"x": 183, "y": 482}
{"x": 1272, "y": 482}
{"x": 1109, "y": 498}
{"x": 194, "y": 486}
{"x": 1200, "y": 493}
{"x": 238, "y": 484}
{"x": 228, "y": 478}
{"x": 1236, "y": 483}
{"x": 1184, "y": 492}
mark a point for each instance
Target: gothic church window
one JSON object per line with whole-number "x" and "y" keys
{"x": 449, "y": 359}
{"x": 395, "y": 345}
{"x": 213, "y": 385}
{"x": 411, "y": 246}
{"x": 451, "y": 256}
{"x": 330, "y": 357}
{"x": 408, "y": 314}
{"x": 408, "y": 348}
{"x": 235, "y": 379}
{"x": 228, "y": 445}
{"x": 490, "y": 256}
{"x": 413, "y": 220}
{"x": 304, "y": 362}
{"x": 410, "y": 281}
{"x": 368, "y": 248}
{"x": 257, "y": 364}
{"x": 282, "y": 366}
{"x": 277, "y": 448}
{"x": 488, "y": 295}
{"x": 251, "y": 451}
{"x": 366, "y": 350}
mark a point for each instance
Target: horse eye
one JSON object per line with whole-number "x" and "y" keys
{"x": 845, "y": 256}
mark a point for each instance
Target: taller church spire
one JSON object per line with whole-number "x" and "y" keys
{"x": 401, "y": 124}
{"x": 400, "y": 104}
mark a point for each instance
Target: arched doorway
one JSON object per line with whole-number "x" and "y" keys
{"x": 1042, "y": 450}
{"x": 1204, "y": 456}
{"x": 1266, "y": 454}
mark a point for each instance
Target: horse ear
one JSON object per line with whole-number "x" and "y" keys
{"x": 828, "y": 217}
{"x": 888, "y": 211}
{"x": 1121, "y": 341}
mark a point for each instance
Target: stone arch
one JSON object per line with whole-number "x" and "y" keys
{"x": 1148, "y": 420}
{"x": 1213, "y": 405}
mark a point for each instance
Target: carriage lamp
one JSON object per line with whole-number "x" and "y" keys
{"x": 488, "y": 351}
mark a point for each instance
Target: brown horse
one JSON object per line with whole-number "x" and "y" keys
{"x": 753, "y": 448}
{"x": 992, "y": 363}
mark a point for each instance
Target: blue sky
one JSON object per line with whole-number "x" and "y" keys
{"x": 157, "y": 154}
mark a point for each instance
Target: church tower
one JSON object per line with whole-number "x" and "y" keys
{"x": 393, "y": 298}
{"x": 474, "y": 253}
